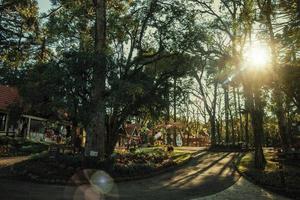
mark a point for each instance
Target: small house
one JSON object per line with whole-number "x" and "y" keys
{"x": 32, "y": 127}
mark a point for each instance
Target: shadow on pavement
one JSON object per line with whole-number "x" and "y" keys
{"x": 208, "y": 173}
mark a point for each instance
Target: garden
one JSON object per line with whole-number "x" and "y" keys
{"x": 20, "y": 147}
{"x": 123, "y": 165}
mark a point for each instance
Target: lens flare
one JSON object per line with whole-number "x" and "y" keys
{"x": 102, "y": 182}
{"x": 257, "y": 56}
{"x": 91, "y": 184}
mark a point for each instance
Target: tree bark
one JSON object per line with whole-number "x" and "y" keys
{"x": 242, "y": 136}
{"x": 213, "y": 115}
{"x": 232, "y": 126}
{"x": 226, "y": 102}
{"x": 257, "y": 125}
{"x": 218, "y": 132}
{"x": 175, "y": 109}
{"x": 96, "y": 129}
{"x": 236, "y": 116}
{"x": 212, "y": 121}
{"x": 112, "y": 136}
{"x": 168, "y": 104}
{"x": 247, "y": 129}
{"x": 253, "y": 104}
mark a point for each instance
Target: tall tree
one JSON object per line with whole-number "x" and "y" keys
{"x": 267, "y": 10}
{"x": 96, "y": 128}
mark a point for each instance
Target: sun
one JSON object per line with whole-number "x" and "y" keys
{"x": 257, "y": 56}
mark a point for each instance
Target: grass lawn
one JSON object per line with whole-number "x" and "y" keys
{"x": 179, "y": 156}
{"x": 281, "y": 178}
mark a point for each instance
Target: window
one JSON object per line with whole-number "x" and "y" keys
{"x": 2, "y": 121}
{"x": 37, "y": 126}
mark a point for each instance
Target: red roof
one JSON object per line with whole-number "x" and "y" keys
{"x": 130, "y": 128}
{"x": 8, "y": 96}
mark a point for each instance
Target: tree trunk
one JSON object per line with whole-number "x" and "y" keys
{"x": 258, "y": 130}
{"x": 278, "y": 94}
{"x": 96, "y": 128}
{"x": 257, "y": 124}
{"x": 242, "y": 136}
{"x": 167, "y": 96}
{"x": 232, "y": 127}
{"x": 248, "y": 106}
{"x": 220, "y": 121}
{"x": 74, "y": 133}
{"x": 213, "y": 115}
{"x": 175, "y": 109}
{"x": 226, "y": 102}
{"x": 221, "y": 130}
{"x": 213, "y": 130}
{"x": 218, "y": 132}
{"x": 247, "y": 129}
{"x": 188, "y": 138}
{"x": 236, "y": 116}
{"x": 112, "y": 136}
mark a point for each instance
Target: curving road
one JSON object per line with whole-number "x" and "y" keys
{"x": 208, "y": 173}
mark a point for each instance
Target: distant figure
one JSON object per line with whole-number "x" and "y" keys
{"x": 77, "y": 144}
{"x": 23, "y": 130}
{"x": 68, "y": 129}
{"x": 170, "y": 148}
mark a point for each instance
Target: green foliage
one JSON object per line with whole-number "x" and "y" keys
{"x": 19, "y": 27}
{"x": 55, "y": 88}
{"x": 19, "y": 24}
{"x": 20, "y": 147}
{"x": 290, "y": 76}
{"x": 154, "y": 50}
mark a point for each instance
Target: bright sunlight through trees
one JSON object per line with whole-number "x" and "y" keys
{"x": 257, "y": 55}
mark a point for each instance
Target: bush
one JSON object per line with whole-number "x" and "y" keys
{"x": 239, "y": 147}
{"x": 19, "y": 147}
{"x": 170, "y": 148}
{"x": 70, "y": 160}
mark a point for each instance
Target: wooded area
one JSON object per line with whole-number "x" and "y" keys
{"x": 230, "y": 68}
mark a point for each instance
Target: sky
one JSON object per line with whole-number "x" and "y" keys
{"x": 44, "y": 5}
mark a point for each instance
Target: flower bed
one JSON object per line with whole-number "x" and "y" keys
{"x": 122, "y": 166}
{"x": 19, "y": 147}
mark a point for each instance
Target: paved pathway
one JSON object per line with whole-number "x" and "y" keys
{"x": 8, "y": 161}
{"x": 243, "y": 189}
{"x": 209, "y": 175}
